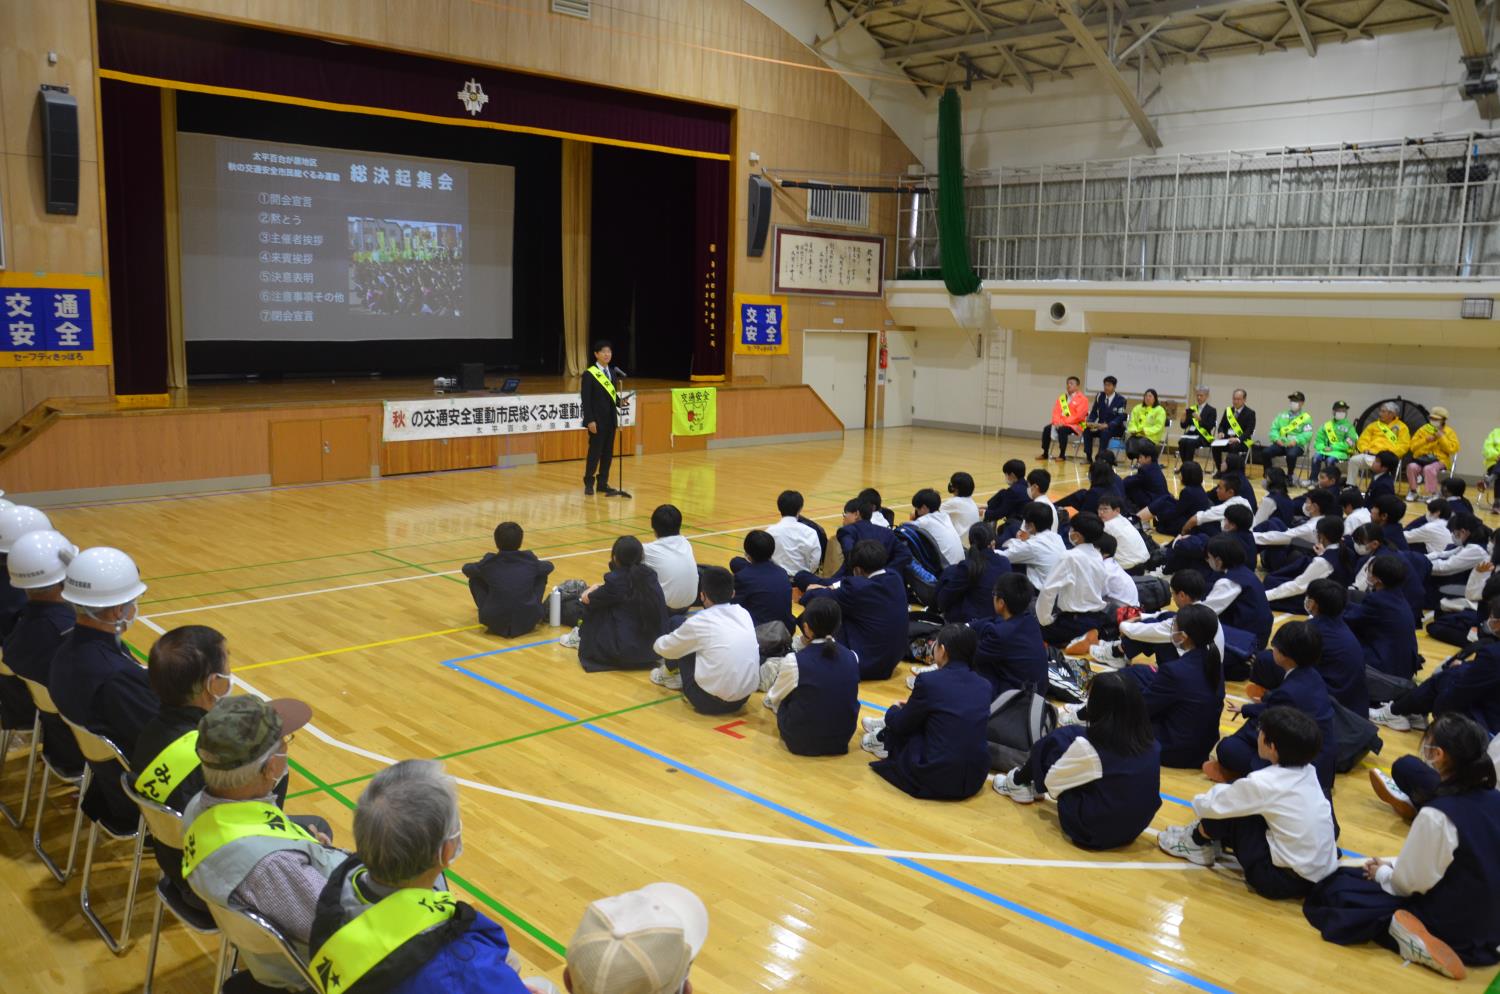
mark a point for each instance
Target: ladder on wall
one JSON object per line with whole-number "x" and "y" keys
{"x": 996, "y": 346}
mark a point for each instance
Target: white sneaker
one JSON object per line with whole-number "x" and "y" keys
{"x": 1451, "y": 604}
{"x": 1068, "y": 715}
{"x": 1387, "y": 791}
{"x": 1384, "y": 717}
{"x": 916, "y": 671}
{"x": 663, "y": 677}
{"x": 1419, "y": 946}
{"x": 769, "y": 671}
{"x": 1177, "y": 840}
{"x": 1107, "y": 654}
{"x": 571, "y": 640}
{"x": 1005, "y": 785}
{"x": 871, "y": 724}
{"x": 871, "y": 744}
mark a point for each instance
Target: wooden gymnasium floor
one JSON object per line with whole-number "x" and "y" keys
{"x": 586, "y": 785}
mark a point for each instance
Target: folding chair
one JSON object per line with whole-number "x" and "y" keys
{"x": 7, "y": 735}
{"x": 43, "y": 701}
{"x": 249, "y": 932}
{"x": 165, "y": 825}
{"x": 98, "y": 749}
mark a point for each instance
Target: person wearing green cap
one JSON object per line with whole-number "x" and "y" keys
{"x": 1291, "y": 431}
{"x": 1335, "y": 441}
{"x": 239, "y": 851}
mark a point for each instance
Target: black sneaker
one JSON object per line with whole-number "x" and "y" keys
{"x": 588, "y": 489}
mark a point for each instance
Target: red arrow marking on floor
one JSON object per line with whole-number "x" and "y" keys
{"x": 725, "y": 728}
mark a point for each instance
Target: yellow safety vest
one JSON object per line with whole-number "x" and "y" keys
{"x": 222, "y": 824}
{"x": 606, "y": 382}
{"x": 171, "y": 766}
{"x": 1207, "y": 433}
{"x": 360, "y": 945}
{"x": 1234, "y": 422}
{"x": 1062, "y": 400}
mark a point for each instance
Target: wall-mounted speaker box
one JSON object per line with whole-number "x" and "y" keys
{"x": 759, "y": 215}
{"x": 59, "y": 114}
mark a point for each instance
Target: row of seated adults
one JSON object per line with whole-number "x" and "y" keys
{"x": 377, "y": 918}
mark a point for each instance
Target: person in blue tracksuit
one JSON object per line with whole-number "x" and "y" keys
{"x": 1147, "y": 484}
{"x": 760, "y": 586}
{"x": 1384, "y": 482}
{"x": 934, "y": 746}
{"x": 1010, "y": 500}
{"x": 873, "y": 600}
{"x": 1011, "y": 653}
{"x": 1106, "y": 420}
{"x": 1469, "y": 686}
{"x": 1168, "y": 514}
{"x": 1235, "y": 592}
{"x": 1342, "y": 662}
{"x": 1296, "y": 648}
{"x": 1438, "y": 904}
{"x": 1105, "y": 774}
{"x": 1382, "y": 620}
{"x": 816, "y": 699}
{"x": 1185, "y": 696}
{"x": 966, "y": 590}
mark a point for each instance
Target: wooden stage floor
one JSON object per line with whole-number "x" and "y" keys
{"x": 346, "y": 595}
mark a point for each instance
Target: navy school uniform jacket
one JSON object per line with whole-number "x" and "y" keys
{"x": 818, "y": 718}
{"x": 1460, "y": 504}
{"x": 1145, "y": 485}
{"x": 1287, "y": 509}
{"x": 875, "y": 620}
{"x": 29, "y": 649}
{"x": 1394, "y": 537}
{"x": 1109, "y": 411}
{"x": 1084, "y": 500}
{"x": 1171, "y": 513}
{"x": 1184, "y": 708}
{"x": 1343, "y": 663}
{"x": 1007, "y": 502}
{"x": 897, "y": 555}
{"x": 1304, "y": 689}
{"x": 1463, "y": 909}
{"x": 1114, "y": 809}
{"x": 1473, "y": 688}
{"x": 764, "y": 590}
{"x": 1385, "y": 483}
{"x": 1250, "y": 611}
{"x": 1011, "y": 654}
{"x": 961, "y": 601}
{"x": 617, "y": 632}
{"x": 1382, "y": 623}
{"x": 936, "y": 740}
{"x": 508, "y": 589}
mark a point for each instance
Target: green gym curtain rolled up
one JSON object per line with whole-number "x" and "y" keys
{"x": 953, "y": 236}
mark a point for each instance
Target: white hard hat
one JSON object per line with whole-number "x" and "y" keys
{"x": 40, "y": 559}
{"x": 102, "y": 577}
{"x": 17, "y": 520}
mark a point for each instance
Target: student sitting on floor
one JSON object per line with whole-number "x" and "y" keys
{"x": 1151, "y": 635}
{"x": 934, "y": 746}
{"x": 800, "y": 545}
{"x": 883, "y": 517}
{"x": 1071, "y": 600}
{"x": 760, "y": 586}
{"x": 1296, "y": 648}
{"x": 1130, "y": 547}
{"x": 1011, "y": 653}
{"x": 1276, "y": 822}
{"x": 1386, "y": 512}
{"x": 858, "y": 527}
{"x": 1119, "y": 587}
{"x": 959, "y": 507}
{"x": 1101, "y": 484}
{"x": 1237, "y": 595}
{"x": 1438, "y": 903}
{"x": 1384, "y": 482}
{"x": 873, "y": 600}
{"x": 1147, "y": 484}
{"x": 622, "y": 615}
{"x": 815, "y": 693}
{"x": 1168, "y": 514}
{"x": 1452, "y": 565}
{"x": 1329, "y": 479}
{"x": 965, "y": 591}
{"x": 717, "y": 655}
{"x": 671, "y": 557}
{"x": 1470, "y": 687}
{"x": 1278, "y": 510}
{"x": 1413, "y": 783}
{"x": 1331, "y": 559}
{"x": 1429, "y": 533}
{"x": 1352, "y": 507}
{"x": 1105, "y": 774}
{"x": 1036, "y": 548}
{"x": 1234, "y": 470}
{"x": 1382, "y": 620}
{"x": 1452, "y": 490}
{"x": 926, "y": 515}
{"x": 1342, "y": 660}
{"x": 1038, "y": 482}
{"x": 1185, "y": 696}
{"x": 1283, "y": 547}
{"x": 509, "y": 585}
{"x": 1010, "y": 500}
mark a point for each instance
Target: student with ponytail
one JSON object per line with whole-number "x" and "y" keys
{"x": 815, "y": 693}
{"x": 1438, "y": 904}
{"x": 1185, "y": 696}
{"x": 965, "y": 590}
{"x": 624, "y": 614}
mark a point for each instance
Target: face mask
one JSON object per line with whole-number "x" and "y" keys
{"x": 1296, "y": 407}
{"x": 127, "y": 619}
{"x": 1179, "y": 640}
{"x": 1308, "y": 607}
{"x": 1319, "y": 548}
{"x": 1428, "y": 755}
{"x": 1436, "y": 425}
{"x": 1308, "y": 510}
{"x": 1340, "y": 416}
{"x": 1363, "y": 550}
{"x": 228, "y": 687}
{"x": 458, "y": 850}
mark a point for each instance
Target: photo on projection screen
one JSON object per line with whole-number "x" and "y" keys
{"x": 294, "y": 243}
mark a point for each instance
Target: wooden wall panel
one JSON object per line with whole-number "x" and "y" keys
{"x": 296, "y": 451}
{"x": 439, "y": 454}
{"x": 774, "y": 411}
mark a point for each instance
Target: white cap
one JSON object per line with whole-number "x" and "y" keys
{"x": 102, "y": 577}
{"x": 18, "y": 519}
{"x": 39, "y": 559}
{"x": 642, "y": 942}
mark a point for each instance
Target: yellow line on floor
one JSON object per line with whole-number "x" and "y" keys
{"x": 357, "y": 648}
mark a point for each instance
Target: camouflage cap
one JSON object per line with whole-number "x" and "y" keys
{"x": 241, "y": 729}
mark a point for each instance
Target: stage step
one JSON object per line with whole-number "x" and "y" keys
{"x": 31, "y": 425}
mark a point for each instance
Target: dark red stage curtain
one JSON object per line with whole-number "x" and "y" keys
{"x": 711, "y": 255}
{"x": 190, "y": 50}
{"x": 134, "y": 205}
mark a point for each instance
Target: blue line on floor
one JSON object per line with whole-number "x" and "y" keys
{"x": 988, "y": 896}
{"x": 500, "y": 652}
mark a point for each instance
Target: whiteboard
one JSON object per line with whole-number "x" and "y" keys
{"x": 1162, "y": 364}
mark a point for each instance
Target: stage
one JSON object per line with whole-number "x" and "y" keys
{"x": 247, "y": 435}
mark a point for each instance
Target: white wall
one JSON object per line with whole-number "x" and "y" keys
{"x": 1394, "y": 86}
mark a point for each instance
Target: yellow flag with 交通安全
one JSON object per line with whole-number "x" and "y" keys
{"x": 695, "y": 411}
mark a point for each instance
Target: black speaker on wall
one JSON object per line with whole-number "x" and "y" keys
{"x": 760, "y": 215}
{"x": 59, "y": 113}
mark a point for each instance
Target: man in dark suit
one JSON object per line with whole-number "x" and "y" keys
{"x": 601, "y": 408}
{"x": 1198, "y": 423}
{"x": 1238, "y": 425}
{"x": 1106, "y": 419}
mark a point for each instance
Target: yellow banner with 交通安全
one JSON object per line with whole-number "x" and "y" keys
{"x": 695, "y": 411}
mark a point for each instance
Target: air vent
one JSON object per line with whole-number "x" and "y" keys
{"x": 573, "y": 8}
{"x": 843, "y": 207}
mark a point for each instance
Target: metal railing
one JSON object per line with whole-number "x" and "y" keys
{"x": 1407, "y": 209}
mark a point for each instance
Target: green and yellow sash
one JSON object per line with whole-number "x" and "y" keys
{"x": 606, "y": 382}
{"x": 1234, "y": 422}
{"x": 379, "y": 931}
{"x": 1206, "y": 433}
{"x": 222, "y": 824}
{"x": 1302, "y": 419}
{"x": 1062, "y": 402}
{"x": 171, "y": 766}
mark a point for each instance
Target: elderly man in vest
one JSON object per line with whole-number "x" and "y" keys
{"x": 380, "y": 924}
{"x": 240, "y": 851}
